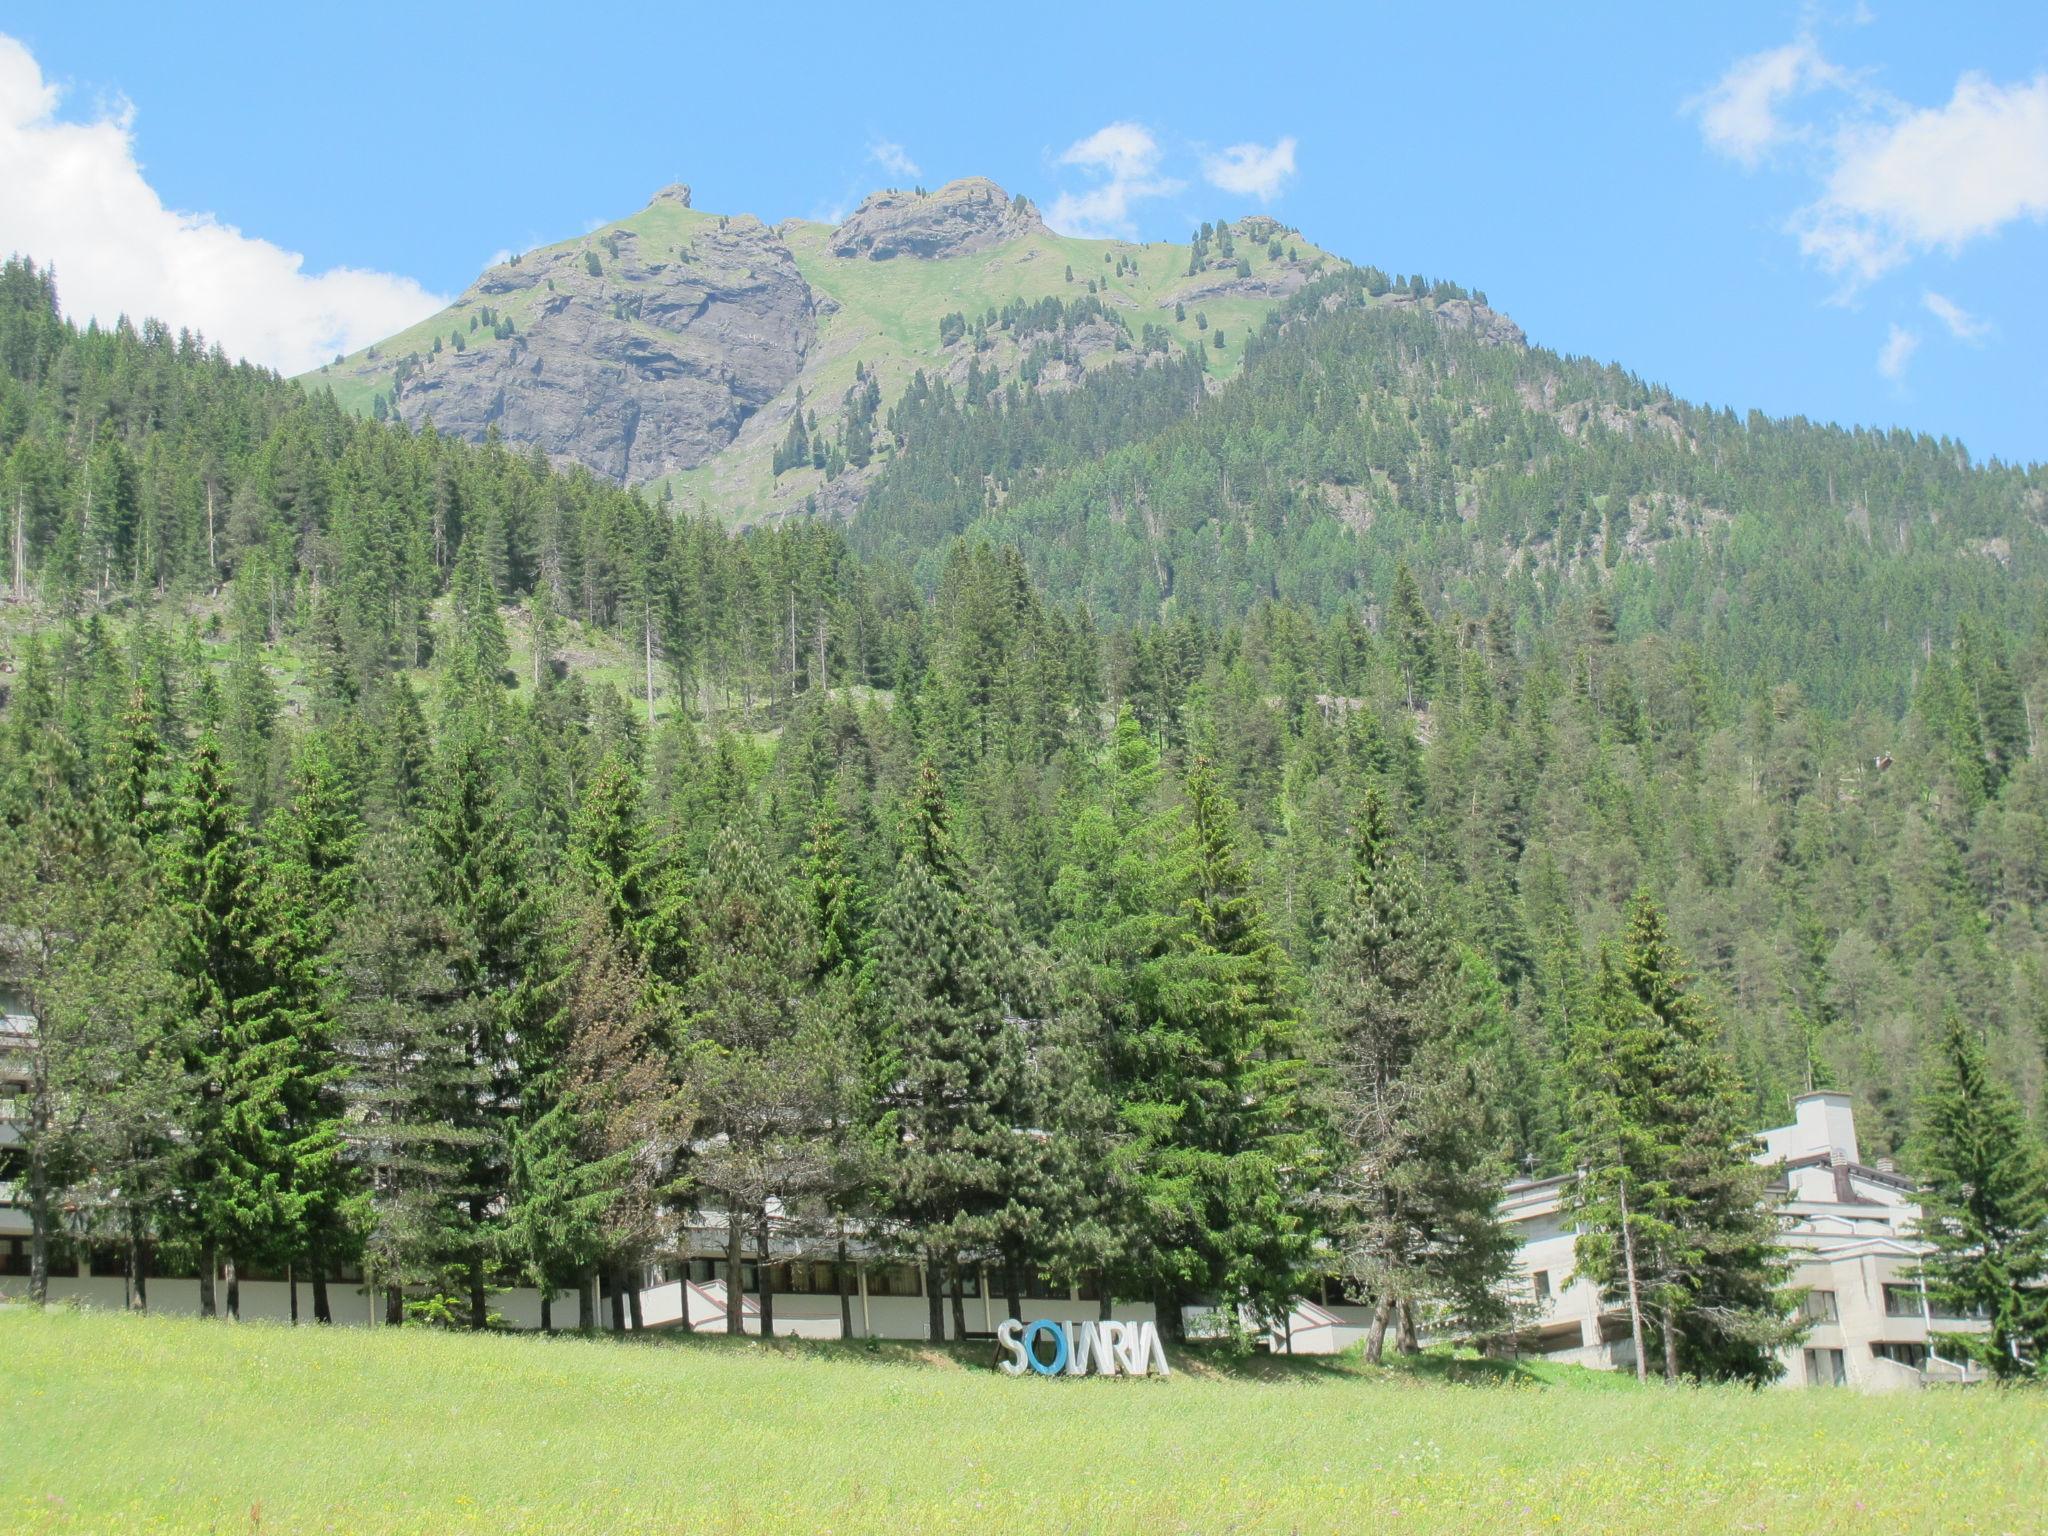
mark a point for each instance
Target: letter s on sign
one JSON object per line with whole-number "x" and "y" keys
{"x": 1007, "y": 1338}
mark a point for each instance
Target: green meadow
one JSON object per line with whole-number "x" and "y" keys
{"x": 113, "y": 1424}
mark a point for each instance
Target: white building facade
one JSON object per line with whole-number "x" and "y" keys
{"x": 1849, "y": 1228}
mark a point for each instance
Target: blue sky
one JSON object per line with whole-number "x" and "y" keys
{"x": 1835, "y": 211}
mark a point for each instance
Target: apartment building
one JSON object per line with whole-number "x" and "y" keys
{"x": 1848, "y": 1226}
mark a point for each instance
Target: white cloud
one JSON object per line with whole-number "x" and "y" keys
{"x": 894, "y": 159}
{"x": 75, "y": 198}
{"x": 1252, "y": 170}
{"x": 1898, "y": 349}
{"x": 1931, "y": 178}
{"x": 1739, "y": 113}
{"x": 1125, "y": 158}
{"x": 1961, "y": 324}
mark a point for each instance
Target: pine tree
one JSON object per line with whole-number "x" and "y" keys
{"x": 948, "y": 991}
{"x": 1659, "y": 1123}
{"x": 770, "y": 1060}
{"x": 1984, "y": 1204}
{"x": 406, "y": 1031}
{"x": 476, "y": 865}
{"x": 1418, "y": 1170}
{"x": 1212, "y": 1091}
{"x": 245, "y": 990}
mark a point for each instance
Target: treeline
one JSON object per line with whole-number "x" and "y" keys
{"x": 527, "y": 737}
{"x": 465, "y": 1028}
{"x": 1362, "y": 436}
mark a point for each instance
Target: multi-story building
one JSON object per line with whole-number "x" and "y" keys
{"x": 1849, "y": 1227}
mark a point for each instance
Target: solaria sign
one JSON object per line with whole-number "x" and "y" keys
{"x": 1076, "y": 1349}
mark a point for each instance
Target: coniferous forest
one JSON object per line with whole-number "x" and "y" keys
{"x": 1193, "y": 841}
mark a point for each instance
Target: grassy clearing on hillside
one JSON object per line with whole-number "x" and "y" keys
{"x": 115, "y": 1424}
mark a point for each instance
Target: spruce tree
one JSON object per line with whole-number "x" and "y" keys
{"x": 947, "y": 990}
{"x": 1659, "y": 1123}
{"x": 406, "y": 1029}
{"x": 1984, "y": 1208}
{"x": 771, "y": 1060}
{"x": 252, "y": 1043}
{"x": 1212, "y": 1092}
{"x": 1406, "y": 1094}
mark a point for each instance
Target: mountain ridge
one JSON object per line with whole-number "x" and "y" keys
{"x": 671, "y": 349}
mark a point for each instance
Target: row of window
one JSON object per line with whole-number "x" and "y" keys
{"x": 1899, "y": 1301}
{"x": 821, "y": 1277}
{"x": 109, "y": 1261}
{"x": 1830, "y": 1367}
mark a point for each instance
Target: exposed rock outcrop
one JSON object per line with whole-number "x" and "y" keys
{"x": 1489, "y": 325}
{"x": 646, "y": 366}
{"x": 973, "y": 214}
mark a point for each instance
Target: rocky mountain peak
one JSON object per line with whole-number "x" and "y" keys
{"x": 972, "y": 214}
{"x": 674, "y": 192}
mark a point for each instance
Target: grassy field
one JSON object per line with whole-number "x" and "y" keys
{"x": 113, "y": 1424}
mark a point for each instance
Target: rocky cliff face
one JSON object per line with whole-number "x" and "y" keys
{"x": 634, "y": 361}
{"x": 973, "y": 214}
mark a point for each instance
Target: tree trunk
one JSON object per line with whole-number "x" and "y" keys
{"x": 234, "y": 1280}
{"x": 1669, "y": 1321}
{"x": 323, "y": 1312}
{"x": 959, "y": 1302}
{"x": 1105, "y": 1304}
{"x": 1635, "y": 1300}
{"x": 618, "y": 1304}
{"x": 1013, "y": 1289}
{"x": 586, "y": 1302}
{"x": 735, "y": 1322}
{"x": 479, "y": 1310}
{"x": 291, "y": 1276}
{"x": 547, "y": 1311}
{"x": 845, "y": 1297}
{"x": 209, "y": 1266}
{"x": 38, "y": 1204}
{"x": 1376, "y": 1332}
{"x": 138, "y": 1262}
{"x": 1404, "y": 1329}
{"x": 764, "y": 1281}
{"x": 1173, "y": 1328}
{"x": 394, "y": 1306}
{"x": 633, "y": 1301}
{"x": 935, "y": 1298}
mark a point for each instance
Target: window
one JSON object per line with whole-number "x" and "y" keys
{"x": 13, "y": 1256}
{"x": 1961, "y": 1311}
{"x": 1542, "y": 1279}
{"x": 809, "y": 1279}
{"x": 1914, "y": 1355}
{"x": 893, "y": 1280}
{"x": 1819, "y": 1307}
{"x": 1902, "y": 1301}
{"x": 1826, "y": 1367}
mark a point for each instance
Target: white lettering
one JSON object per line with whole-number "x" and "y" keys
{"x": 1008, "y": 1336}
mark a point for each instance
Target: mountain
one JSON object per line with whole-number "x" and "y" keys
{"x": 674, "y": 348}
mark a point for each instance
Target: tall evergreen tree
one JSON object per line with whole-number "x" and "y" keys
{"x": 252, "y": 1038}
{"x": 1660, "y": 1127}
{"x": 1418, "y": 1168}
{"x": 1984, "y": 1206}
{"x": 949, "y": 992}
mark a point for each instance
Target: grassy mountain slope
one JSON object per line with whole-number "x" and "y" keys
{"x": 880, "y": 314}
